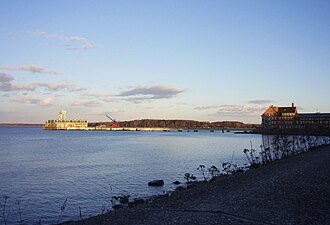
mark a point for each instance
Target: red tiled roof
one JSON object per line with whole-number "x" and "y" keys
{"x": 271, "y": 111}
{"x": 278, "y": 111}
{"x": 287, "y": 110}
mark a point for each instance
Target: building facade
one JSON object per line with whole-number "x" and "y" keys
{"x": 288, "y": 118}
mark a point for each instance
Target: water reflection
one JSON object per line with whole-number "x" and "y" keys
{"x": 44, "y": 168}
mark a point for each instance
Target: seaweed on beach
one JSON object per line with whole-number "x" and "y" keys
{"x": 283, "y": 146}
{"x": 273, "y": 148}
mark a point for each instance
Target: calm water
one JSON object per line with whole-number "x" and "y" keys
{"x": 43, "y": 168}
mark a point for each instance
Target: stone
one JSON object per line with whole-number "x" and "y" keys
{"x": 213, "y": 179}
{"x": 123, "y": 199}
{"x": 156, "y": 183}
{"x": 180, "y": 188}
{"x": 117, "y": 206}
{"x": 139, "y": 201}
{"x": 193, "y": 177}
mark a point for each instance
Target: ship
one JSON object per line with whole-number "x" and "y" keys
{"x": 65, "y": 124}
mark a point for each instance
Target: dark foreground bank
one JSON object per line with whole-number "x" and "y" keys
{"x": 295, "y": 190}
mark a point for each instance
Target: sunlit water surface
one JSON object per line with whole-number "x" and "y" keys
{"x": 42, "y": 168}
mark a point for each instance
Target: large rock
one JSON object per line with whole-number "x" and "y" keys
{"x": 156, "y": 183}
{"x": 123, "y": 199}
{"x": 139, "y": 201}
{"x": 117, "y": 206}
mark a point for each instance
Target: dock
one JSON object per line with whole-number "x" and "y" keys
{"x": 131, "y": 129}
{"x": 155, "y": 129}
{"x": 62, "y": 123}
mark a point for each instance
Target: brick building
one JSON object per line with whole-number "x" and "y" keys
{"x": 288, "y": 118}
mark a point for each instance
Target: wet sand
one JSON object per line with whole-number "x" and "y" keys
{"x": 294, "y": 190}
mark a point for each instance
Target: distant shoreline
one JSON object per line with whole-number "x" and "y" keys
{"x": 249, "y": 129}
{"x": 20, "y": 125}
{"x": 160, "y": 123}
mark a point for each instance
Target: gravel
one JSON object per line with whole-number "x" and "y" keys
{"x": 294, "y": 190}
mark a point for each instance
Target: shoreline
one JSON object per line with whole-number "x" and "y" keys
{"x": 242, "y": 130}
{"x": 21, "y": 125}
{"x": 315, "y": 132}
{"x": 292, "y": 190}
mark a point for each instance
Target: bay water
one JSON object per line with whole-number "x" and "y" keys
{"x": 49, "y": 177}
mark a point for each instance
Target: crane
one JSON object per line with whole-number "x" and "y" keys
{"x": 114, "y": 122}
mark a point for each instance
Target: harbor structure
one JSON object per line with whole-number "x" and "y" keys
{"x": 69, "y": 124}
{"x": 78, "y": 124}
{"x": 288, "y": 118}
{"x": 66, "y": 124}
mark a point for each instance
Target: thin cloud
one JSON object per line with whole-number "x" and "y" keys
{"x": 207, "y": 107}
{"x": 138, "y": 100}
{"x": 261, "y": 101}
{"x": 91, "y": 103}
{"x": 36, "y": 101}
{"x": 47, "y": 102}
{"x": 6, "y": 78}
{"x": 7, "y": 85}
{"x": 71, "y": 42}
{"x": 100, "y": 96}
{"x": 6, "y": 82}
{"x": 115, "y": 111}
{"x": 234, "y": 110}
{"x": 31, "y": 68}
{"x": 140, "y": 94}
{"x": 240, "y": 110}
{"x": 47, "y": 86}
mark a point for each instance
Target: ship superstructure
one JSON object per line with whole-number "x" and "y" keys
{"x": 66, "y": 124}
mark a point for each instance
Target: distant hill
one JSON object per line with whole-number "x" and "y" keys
{"x": 178, "y": 124}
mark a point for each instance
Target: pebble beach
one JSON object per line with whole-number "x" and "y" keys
{"x": 293, "y": 190}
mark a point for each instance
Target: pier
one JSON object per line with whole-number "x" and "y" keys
{"x": 131, "y": 129}
{"x": 62, "y": 123}
{"x": 156, "y": 129}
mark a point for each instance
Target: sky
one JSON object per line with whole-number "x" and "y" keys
{"x": 199, "y": 60}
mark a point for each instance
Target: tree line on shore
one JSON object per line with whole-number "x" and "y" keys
{"x": 179, "y": 124}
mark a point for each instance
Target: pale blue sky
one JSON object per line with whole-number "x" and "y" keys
{"x": 201, "y": 60}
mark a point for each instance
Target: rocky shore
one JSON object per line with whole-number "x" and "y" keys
{"x": 293, "y": 190}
